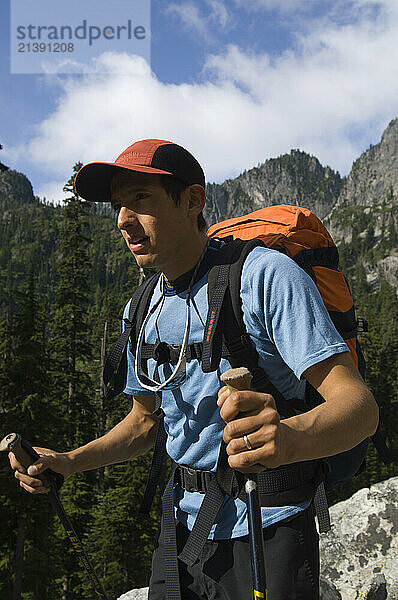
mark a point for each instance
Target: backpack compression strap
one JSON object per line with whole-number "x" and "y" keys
{"x": 225, "y": 328}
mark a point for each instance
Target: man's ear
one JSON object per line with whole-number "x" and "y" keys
{"x": 196, "y": 197}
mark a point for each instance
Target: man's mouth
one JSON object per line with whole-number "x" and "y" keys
{"x": 137, "y": 243}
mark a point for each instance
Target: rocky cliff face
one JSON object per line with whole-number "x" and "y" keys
{"x": 373, "y": 179}
{"x": 367, "y": 208}
{"x": 15, "y": 190}
{"x": 295, "y": 178}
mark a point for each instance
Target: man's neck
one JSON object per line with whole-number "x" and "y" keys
{"x": 188, "y": 262}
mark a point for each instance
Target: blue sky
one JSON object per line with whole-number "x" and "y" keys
{"x": 236, "y": 82}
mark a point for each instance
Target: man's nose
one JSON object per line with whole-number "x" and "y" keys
{"x": 126, "y": 218}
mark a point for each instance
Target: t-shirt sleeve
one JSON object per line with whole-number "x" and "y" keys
{"x": 288, "y": 305}
{"x": 132, "y": 388}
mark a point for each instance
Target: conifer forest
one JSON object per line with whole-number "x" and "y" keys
{"x": 65, "y": 276}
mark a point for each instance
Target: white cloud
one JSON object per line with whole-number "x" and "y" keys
{"x": 217, "y": 15}
{"x": 331, "y": 96}
{"x": 304, "y": 13}
{"x": 189, "y": 16}
{"x": 51, "y": 192}
{"x": 283, "y": 6}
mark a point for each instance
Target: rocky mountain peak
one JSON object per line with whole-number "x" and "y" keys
{"x": 373, "y": 179}
{"x": 296, "y": 178}
{"x": 389, "y": 139}
{"x": 15, "y": 190}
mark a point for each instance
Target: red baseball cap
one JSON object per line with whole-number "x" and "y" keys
{"x": 93, "y": 181}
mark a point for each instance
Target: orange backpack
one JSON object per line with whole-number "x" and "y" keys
{"x": 299, "y": 234}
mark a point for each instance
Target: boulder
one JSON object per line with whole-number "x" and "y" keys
{"x": 360, "y": 554}
{"x": 139, "y": 594}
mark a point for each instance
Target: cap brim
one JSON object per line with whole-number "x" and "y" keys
{"x": 93, "y": 181}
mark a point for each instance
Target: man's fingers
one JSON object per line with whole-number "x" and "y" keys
{"x": 30, "y": 484}
{"x": 250, "y": 423}
{"x": 35, "y": 489}
{"x": 38, "y": 466}
{"x": 261, "y": 438}
{"x": 42, "y": 463}
{"x": 14, "y": 463}
{"x": 243, "y": 402}
{"x": 26, "y": 478}
{"x": 237, "y": 428}
{"x": 247, "y": 462}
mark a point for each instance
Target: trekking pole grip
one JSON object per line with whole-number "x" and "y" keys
{"x": 237, "y": 379}
{"x": 23, "y": 451}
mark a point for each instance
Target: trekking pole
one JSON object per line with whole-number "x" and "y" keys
{"x": 26, "y": 456}
{"x": 239, "y": 379}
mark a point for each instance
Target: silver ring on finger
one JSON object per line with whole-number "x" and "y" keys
{"x": 247, "y": 442}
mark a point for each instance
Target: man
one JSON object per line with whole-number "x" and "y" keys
{"x": 158, "y": 191}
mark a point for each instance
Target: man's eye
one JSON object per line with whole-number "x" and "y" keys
{"x": 141, "y": 196}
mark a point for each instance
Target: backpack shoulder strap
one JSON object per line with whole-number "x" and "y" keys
{"x": 230, "y": 254}
{"x": 225, "y": 327}
{"x": 115, "y": 369}
{"x": 140, "y": 304}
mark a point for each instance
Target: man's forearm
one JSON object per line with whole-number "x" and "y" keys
{"x": 348, "y": 415}
{"x": 331, "y": 427}
{"x": 132, "y": 437}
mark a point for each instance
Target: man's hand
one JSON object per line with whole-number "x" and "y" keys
{"x": 253, "y": 414}
{"x": 56, "y": 461}
{"x": 348, "y": 415}
{"x": 132, "y": 437}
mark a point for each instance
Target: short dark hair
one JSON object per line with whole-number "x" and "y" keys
{"x": 174, "y": 188}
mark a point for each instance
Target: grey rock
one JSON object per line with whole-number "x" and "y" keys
{"x": 138, "y": 594}
{"x": 387, "y": 268}
{"x": 378, "y": 588}
{"x": 296, "y": 178}
{"x": 374, "y": 175}
{"x": 327, "y": 590}
{"x": 363, "y": 541}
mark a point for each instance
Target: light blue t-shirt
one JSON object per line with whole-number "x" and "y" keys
{"x": 291, "y": 330}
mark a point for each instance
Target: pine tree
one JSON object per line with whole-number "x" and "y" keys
{"x": 74, "y": 390}
{"x": 26, "y": 408}
{"x": 121, "y": 539}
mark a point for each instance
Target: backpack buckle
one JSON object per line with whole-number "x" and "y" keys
{"x": 166, "y": 353}
{"x": 161, "y": 352}
{"x": 193, "y": 480}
